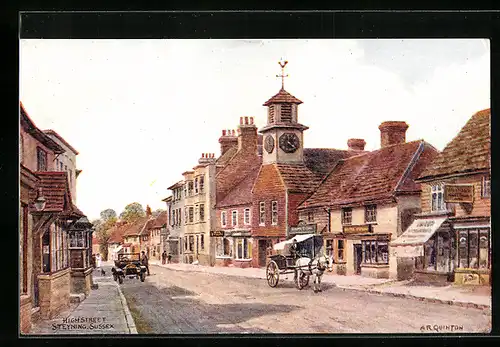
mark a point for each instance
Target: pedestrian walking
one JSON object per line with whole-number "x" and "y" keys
{"x": 164, "y": 257}
{"x": 169, "y": 258}
{"x": 144, "y": 261}
{"x": 98, "y": 260}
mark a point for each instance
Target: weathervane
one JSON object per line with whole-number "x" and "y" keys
{"x": 282, "y": 64}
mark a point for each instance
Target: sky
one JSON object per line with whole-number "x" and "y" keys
{"x": 141, "y": 112}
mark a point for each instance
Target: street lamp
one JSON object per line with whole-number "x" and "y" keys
{"x": 40, "y": 201}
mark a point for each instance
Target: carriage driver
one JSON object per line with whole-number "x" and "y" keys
{"x": 293, "y": 249}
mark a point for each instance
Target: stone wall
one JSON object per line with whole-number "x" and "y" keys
{"x": 25, "y": 313}
{"x": 54, "y": 290}
{"x": 81, "y": 281}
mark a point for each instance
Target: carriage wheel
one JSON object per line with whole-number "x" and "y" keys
{"x": 301, "y": 280}
{"x": 272, "y": 274}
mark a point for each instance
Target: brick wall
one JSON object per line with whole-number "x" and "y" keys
{"x": 480, "y": 207}
{"x": 229, "y": 209}
{"x": 269, "y": 187}
{"x": 294, "y": 200}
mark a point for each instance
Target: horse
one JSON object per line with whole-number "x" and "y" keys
{"x": 315, "y": 267}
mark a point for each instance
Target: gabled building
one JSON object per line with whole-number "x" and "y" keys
{"x": 289, "y": 174}
{"x": 116, "y": 239}
{"x": 47, "y": 214}
{"x": 370, "y": 199}
{"x": 157, "y": 234}
{"x": 451, "y": 238}
{"x": 132, "y": 235}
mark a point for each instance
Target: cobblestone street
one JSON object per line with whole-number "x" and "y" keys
{"x": 176, "y": 302}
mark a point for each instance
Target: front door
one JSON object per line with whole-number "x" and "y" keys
{"x": 262, "y": 252}
{"x": 358, "y": 256}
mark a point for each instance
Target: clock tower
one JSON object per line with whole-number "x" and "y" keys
{"x": 283, "y": 134}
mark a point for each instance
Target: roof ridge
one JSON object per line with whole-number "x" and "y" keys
{"x": 410, "y": 166}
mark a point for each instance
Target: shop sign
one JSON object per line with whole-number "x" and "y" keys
{"x": 357, "y": 229}
{"x": 216, "y": 233}
{"x": 459, "y": 193}
{"x": 303, "y": 229}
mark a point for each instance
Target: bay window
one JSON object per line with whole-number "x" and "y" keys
{"x": 375, "y": 252}
{"x": 191, "y": 214}
{"x": 77, "y": 239}
{"x": 202, "y": 183}
{"x": 202, "y": 212}
{"x": 243, "y": 248}
{"x": 191, "y": 243}
{"x": 474, "y": 248}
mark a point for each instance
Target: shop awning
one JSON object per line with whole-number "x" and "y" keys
{"x": 298, "y": 238}
{"x": 419, "y": 232}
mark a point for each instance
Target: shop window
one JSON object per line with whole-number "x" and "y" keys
{"x": 329, "y": 248}
{"x": 437, "y": 198}
{"x": 486, "y": 187}
{"x": 262, "y": 213}
{"x": 243, "y": 248}
{"x": 274, "y": 212}
{"x": 223, "y": 221}
{"x": 190, "y": 188}
{"x": 347, "y": 216}
{"x": 340, "y": 250}
{"x": 246, "y": 216}
{"x": 370, "y": 214}
{"x": 474, "y": 248}
{"x": 375, "y": 252}
{"x": 223, "y": 247}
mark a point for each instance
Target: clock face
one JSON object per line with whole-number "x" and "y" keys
{"x": 269, "y": 143}
{"x": 289, "y": 142}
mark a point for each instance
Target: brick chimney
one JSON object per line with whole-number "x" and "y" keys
{"x": 392, "y": 133}
{"x": 148, "y": 211}
{"x": 356, "y": 144}
{"x": 227, "y": 140}
{"x": 247, "y": 135}
{"x": 207, "y": 158}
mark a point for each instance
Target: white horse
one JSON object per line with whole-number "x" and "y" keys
{"x": 313, "y": 267}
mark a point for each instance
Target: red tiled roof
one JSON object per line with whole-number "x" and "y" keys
{"x": 241, "y": 193}
{"x": 373, "y": 176}
{"x": 283, "y": 97}
{"x": 469, "y": 151}
{"x": 161, "y": 220}
{"x": 322, "y": 160}
{"x": 298, "y": 178}
{"x": 117, "y": 232}
{"x": 136, "y": 227}
{"x": 223, "y": 159}
{"x": 148, "y": 226}
{"x": 55, "y": 189}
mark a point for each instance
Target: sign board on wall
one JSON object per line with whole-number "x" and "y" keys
{"x": 459, "y": 193}
{"x": 216, "y": 233}
{"x": 357, "y": 229}
{"x": 303, "y": 229}
{"x": 409, "y": 251}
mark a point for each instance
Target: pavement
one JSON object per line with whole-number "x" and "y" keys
{"x": 466, "y": 296}
{"x": 104, "y": 311}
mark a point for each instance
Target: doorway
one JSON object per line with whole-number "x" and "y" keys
{"x": 358, "y": 258}
{"x": 263, "y": 250}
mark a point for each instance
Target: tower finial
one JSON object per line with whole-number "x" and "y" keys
{"x": 282, "y": 64}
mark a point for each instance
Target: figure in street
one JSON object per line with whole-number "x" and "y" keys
{"x": 144, "y": 261}
{"x": 164, "y": 257}
{"x": 169, "y": 259}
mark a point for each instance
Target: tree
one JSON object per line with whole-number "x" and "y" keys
{"x": 103, "y": 233}
{"x": 158, "y": 212}
{"x": 132, "y": 212}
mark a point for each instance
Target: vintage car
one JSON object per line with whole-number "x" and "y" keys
{"x": 128, "y": 265}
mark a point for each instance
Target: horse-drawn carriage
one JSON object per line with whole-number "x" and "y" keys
{"x": 301, "y": 255}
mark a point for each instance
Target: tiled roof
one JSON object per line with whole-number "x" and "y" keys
{"x": 176, "y": 185}
{"x": 283, "y": 97}
{"x": 322, "y": 160}
{"x": 298, "y": 178}
{"x": 223, "y": 159}
{"x": 242, "y": 193}
{"x": 55, "y": 189}
{"x": 136, "y": 227}
{"x": 469, "y": 151}
{"x": 117, "y": 232}
{"x": 372, "y": 176}
{"x": 161, "y": 220}
{"x": 147, "y": 226}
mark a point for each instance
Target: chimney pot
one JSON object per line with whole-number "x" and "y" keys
{"x": 241, "y": 120}
{"x": 233, "y": 132}
{"x": 251, "y": 120}
{"x": 392, "y": 133}
{"x": 223, "y": 133}
{"x": 246, "y": 120}
{"x": 203, "y": 155}
{"x": 356, "y": 144}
